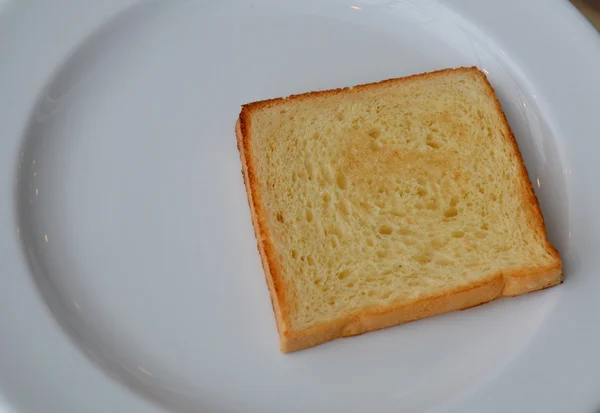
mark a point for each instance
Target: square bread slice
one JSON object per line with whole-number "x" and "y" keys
{"x": 389, "y": 202}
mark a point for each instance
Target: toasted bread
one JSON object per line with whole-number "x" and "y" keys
{"x": 389, "y": 202}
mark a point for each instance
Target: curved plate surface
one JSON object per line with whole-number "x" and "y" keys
{"x": 124, "y": 212}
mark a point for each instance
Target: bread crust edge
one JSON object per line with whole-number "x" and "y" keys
{"x": 527, "y": 191}
{"x": 270, "y": 266}
{"x": 496, "y": 286}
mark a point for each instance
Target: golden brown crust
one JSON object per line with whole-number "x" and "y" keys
{"x": 363, "y": 322}
{"x": 248, "y": 108}
{"x": 528, "y": 194}
{"x": 526, "y": 281}
{"x": 459, "y": 299}
{"x": 265, "y": 248}
{"x": 502, "y": 284}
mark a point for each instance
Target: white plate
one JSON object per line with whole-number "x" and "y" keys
{"x": 123, "y": 211}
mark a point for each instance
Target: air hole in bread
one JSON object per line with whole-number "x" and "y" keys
{"x": 342, "y": 181}
{"x": 327, "y": 200}
{"x": 343, "y": 275}
{"x": 374, "y": 133}
{"x": 385, "y": 230}
{"x": 309, "y": 215}
{"x": 344, "y": 206}
{"x": 451, "y": 212}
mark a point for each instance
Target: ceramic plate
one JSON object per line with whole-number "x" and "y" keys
{"x": 130, "y": 276}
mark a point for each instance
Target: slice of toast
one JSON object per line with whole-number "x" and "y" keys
{"x": 389, "y": 202}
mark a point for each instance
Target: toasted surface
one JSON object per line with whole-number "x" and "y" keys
{"x": 389, "y": 202}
